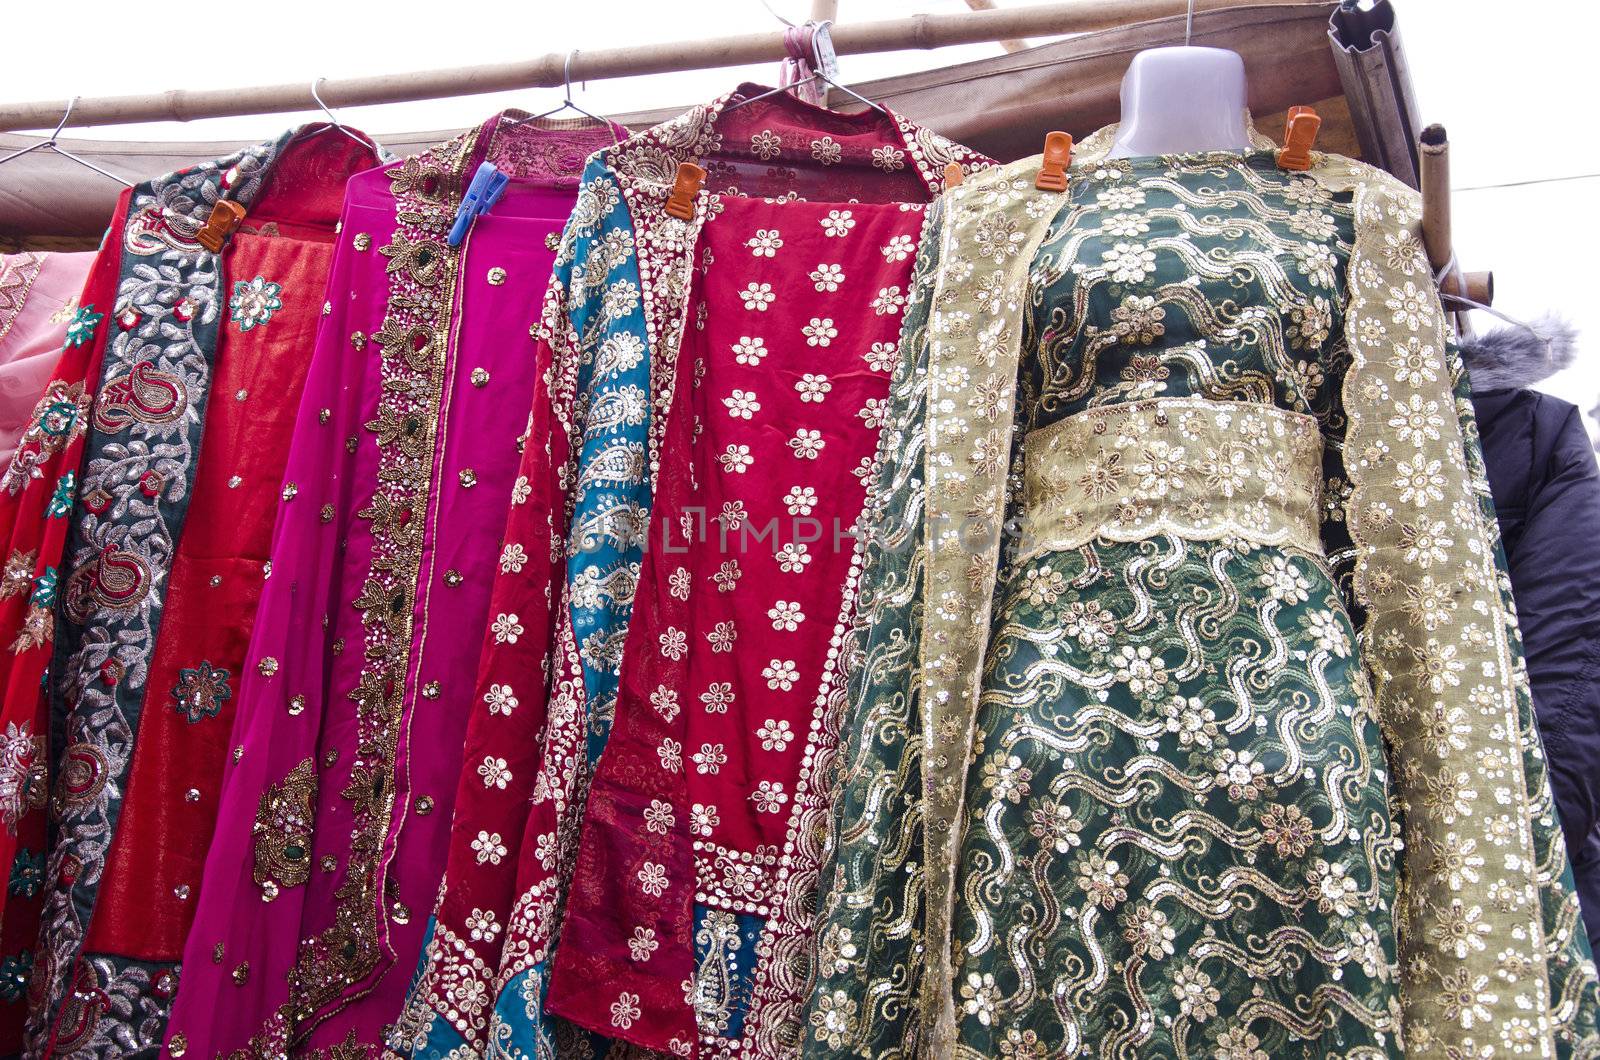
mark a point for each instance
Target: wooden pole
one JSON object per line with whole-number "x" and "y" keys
{"x": 1433, "y": 173}
{"x": 824, "y": 10}
{"x": 915, "y": 32}
{"x": 1435, "y": 180}
{"x": 990, "y": 5}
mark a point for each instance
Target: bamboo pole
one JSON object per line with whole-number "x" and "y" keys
{"x": 1435, "y": 180}
{"x": 1433, "y": 173}
{"x": 990, "y": 5}
{"x": 914, "y": 33}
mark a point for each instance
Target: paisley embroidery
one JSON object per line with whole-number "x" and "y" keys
{"x": 282, "y": 832}
{"x": 82, "y": 1010}
{"x": 115, "y": 579}
{"x": 155, "y": 230}
{"x": 83, "y": 776}
{"x": 144, "y": 395}
{"x": 200, "y": 692}
{"x": 254, "y": 302}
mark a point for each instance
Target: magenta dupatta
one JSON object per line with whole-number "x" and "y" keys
{"x": 336, "y": 806}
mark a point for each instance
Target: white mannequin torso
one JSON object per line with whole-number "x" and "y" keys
{"x": 1179, "y": 100}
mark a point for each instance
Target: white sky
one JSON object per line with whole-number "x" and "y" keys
{"x": 1513, "y": 83}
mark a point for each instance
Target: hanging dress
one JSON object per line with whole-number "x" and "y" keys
{"x": 142, "y": 348}
{"x": 1188, "y": 715}
{"x": 630, "y": 284}
{"x": 336, "y": 799}
{"x": 38, "y": 296}
{"x": 37, "y": 491}
{"x": 137, "y": 772}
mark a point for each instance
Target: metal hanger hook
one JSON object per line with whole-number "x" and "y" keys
{"x": 774, "y": 13}
{"x": 817, "y": 29}
{"x": 566, "y": 75}
{"x": 62, "y": 124}
{"x": 325, "y": 108}
{"x": 338, "y": 126}
{"x": 1188, "y": 25}
{"x": 52, "y": 145}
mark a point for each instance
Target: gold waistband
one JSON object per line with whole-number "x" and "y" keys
{"x": 1194, "y": 468}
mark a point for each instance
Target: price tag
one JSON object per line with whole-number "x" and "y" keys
{"x": 827, "y": 59}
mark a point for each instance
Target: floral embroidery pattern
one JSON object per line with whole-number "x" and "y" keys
{"x": 743, "y": 785}
{"x": 254, "y": 302}
{"x": 59, "y": 419}
{"x": 1172, "y": 465}
{"x": 81, "y": 328}
{"x": 201, "y": 692}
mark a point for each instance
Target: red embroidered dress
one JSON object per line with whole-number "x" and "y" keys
{"x": 547, "y": 683}
{"x": 138, "y": 790}
{"x": 36, "y": 496}
{"x": 160, "y": 572}
{"x": 701, "y": 837}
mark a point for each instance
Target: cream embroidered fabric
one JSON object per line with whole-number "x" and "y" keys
{"x": 1187, "y": 466}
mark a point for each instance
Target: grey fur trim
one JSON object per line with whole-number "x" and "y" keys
{"x": 1516, "y": 357}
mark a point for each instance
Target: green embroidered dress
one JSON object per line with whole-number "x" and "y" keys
{"x": 1188, "y": 716}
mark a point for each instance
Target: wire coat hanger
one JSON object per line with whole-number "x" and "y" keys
{"x": 567, "y": 102}
{"x": 334, "y": 123}
{"x": 50, "y": 144}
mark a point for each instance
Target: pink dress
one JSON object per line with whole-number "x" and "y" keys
{"x": 38, "y": 295}
{"x": 336, "y": 804}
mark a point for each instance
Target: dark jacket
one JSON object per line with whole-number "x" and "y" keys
{"x": 1546, "y": 487}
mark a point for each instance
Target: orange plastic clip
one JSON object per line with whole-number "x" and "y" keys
{"x": 1053, "y": 167}
{"x": 224, "y": 219}
{"x": 953, "y": 176}
{"x": 1299, "y": 134}
{"x": 680, "y": 203}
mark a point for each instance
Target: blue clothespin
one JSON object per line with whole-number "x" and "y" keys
{"x": 488, "y": 183}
